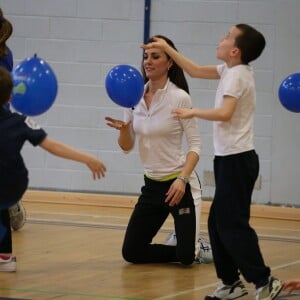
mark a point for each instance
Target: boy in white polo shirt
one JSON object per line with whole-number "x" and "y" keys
{"x": 236, "y": 165}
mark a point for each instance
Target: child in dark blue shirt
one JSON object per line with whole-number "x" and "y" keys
{"x": 15, "y": 130}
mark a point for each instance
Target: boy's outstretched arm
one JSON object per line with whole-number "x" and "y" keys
{"x": 223, "y": 113}
{"x": 62, "y": 150}
{"x": 193, "y": 69}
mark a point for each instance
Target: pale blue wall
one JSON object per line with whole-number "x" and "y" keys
{"x": 83, "y": 39}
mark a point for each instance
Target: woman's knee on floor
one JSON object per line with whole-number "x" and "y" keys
{"x": 132, "y": 253}
{"x": 186, "y": 258}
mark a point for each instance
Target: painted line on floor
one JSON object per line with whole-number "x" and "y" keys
{"x": 279, "y": 238}
{"x": 62, "y": 293}
{"x": 293, "y": 263}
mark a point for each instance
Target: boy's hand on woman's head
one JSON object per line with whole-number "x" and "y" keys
{"x": 158, "y": 43}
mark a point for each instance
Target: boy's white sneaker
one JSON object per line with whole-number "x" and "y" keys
{"x": 270, "y": 291}
{"x": 228, "y": 292}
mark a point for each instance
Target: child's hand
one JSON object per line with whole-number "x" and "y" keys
{"x": 183, "y": 113}
{"x": 158, "y": 44}
{"x": 291, "y": 285}
{"x": 96, "y": 166}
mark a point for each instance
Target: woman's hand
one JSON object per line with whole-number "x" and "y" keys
{"x": 117, "y": 124}
{"x": 126, "y": 138}
{"x": 175, "y": 192}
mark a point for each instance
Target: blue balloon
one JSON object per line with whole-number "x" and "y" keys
{"x": 35, "y": 86}
{"x": 124, "y": 85}
{"x": 289, "y": 92}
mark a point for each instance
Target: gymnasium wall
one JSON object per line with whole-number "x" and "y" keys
{"x": 83, "y": 39}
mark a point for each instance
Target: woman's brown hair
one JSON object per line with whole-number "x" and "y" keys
{"x": 6, "y": 30}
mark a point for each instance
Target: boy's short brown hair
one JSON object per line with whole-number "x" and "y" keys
{"x": 251, "y": 43}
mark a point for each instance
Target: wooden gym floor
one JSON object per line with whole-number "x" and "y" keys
{"x": 70, "y": 248}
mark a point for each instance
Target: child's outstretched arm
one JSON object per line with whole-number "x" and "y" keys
{"x": 62, "y": 150}
{"x": 193, "y": 69}
{"x": 223, "y": 113}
